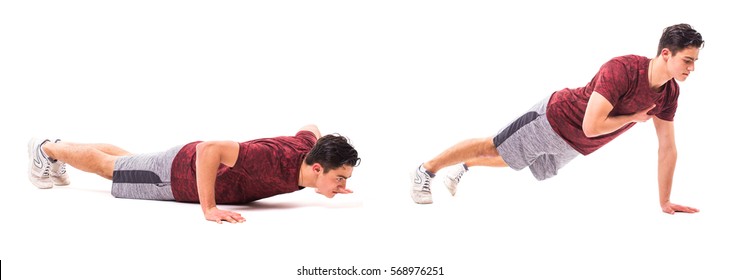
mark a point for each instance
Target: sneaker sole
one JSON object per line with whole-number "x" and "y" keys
{"x": 60, "y": 183}
{"x": 449, "y": 186}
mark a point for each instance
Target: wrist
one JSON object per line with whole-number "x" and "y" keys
{"x": 207, "y": 207}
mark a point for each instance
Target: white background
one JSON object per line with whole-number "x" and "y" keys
{"x": 404, "y": 80}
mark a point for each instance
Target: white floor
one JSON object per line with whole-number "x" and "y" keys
{"x": 403, "y": 80}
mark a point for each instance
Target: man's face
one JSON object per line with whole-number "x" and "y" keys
{"x": 682, "y": 63}
{"x": 334, "y": 181}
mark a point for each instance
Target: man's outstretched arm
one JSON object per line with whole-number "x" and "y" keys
{"x": 666, "y": 166}
{"x": 210, "y": 155}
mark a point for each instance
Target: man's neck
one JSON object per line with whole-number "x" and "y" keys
{"x": 657, "y": 75}
{"x": 305, "y": 176}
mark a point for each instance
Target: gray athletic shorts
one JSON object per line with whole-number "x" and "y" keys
{"x": 531, "y": 141}
{"x": 144, "y": 176}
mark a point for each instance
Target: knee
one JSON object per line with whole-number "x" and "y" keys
{"x": 486, "y": 148}
{"x": 107, "y": 174}
{"x": 105, "y": 170}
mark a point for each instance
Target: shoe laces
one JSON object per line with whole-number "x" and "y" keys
{"x": 47, "y": 169}
{"x": 426, "y": 183}
{"x": 458, "y": 176}
{"x": 62, "y": 169}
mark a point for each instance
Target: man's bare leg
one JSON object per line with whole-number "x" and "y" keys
{"x": 93, "y": 158}
{"x": 486, "y": 161}
{"x": 473, "y": 150}
{"x": 451, "y": 180}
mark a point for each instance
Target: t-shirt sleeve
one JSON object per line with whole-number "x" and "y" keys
{"x": 307, "y": 136}
{"x": 611, "y": 81}
{"x": 670, "y": 105}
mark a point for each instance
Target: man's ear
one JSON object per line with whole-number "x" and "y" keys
{"x": 317, "y": 168}
{"x": 666, "y": 53}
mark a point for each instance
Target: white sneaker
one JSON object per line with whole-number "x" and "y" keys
{"x": 39, "y": 166}
{"x": 452, "y": 178}
{"x": 58, "y": 172}
{"x": 421, "y": 186}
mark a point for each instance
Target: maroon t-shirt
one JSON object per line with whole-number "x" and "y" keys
{"x": 264, "y": 168}
{"x": 624, "y": 83}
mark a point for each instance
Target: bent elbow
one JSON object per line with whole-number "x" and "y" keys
{"x": 589, "y": 131}
{"x": 668, "y": 150}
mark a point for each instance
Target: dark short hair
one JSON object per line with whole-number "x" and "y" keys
{"x": 333, "y": 151}
{"x": 678, "y": 37}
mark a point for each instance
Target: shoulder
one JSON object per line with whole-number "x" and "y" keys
{"x": 307, "y": 136}
{"x": 630, "y": 58}
{"x": 626, "y": 62}
{"x": 623, "y": 69}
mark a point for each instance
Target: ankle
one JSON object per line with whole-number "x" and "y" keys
{"x": 425, "y": 170}
{"x": 48, "y": 152}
